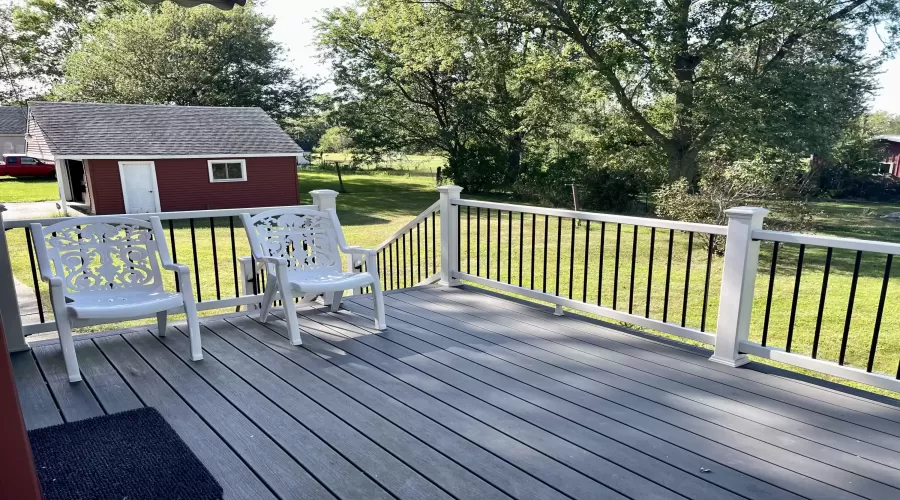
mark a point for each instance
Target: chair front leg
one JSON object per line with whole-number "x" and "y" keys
{"x": 287, "y": 300}
{"x": 336, "y": 300}
{"x": 268, "y": 297}
{"x": 64, "y": 328}
{"x": 380, "y": 322}
{"x": 161, "y": 318}
{"x": 190, "y": 310}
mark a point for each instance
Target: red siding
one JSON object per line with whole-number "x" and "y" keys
{"x": 184, "y": 185}
{"x": 893, "y": 151}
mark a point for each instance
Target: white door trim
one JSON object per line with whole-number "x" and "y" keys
{"x": 123, "y": 164}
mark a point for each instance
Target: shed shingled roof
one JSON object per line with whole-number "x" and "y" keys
{"x": 91, "y": 129}
{"x": 12, "y": 120}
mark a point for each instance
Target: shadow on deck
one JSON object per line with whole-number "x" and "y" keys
{"x": 468, "y": 395}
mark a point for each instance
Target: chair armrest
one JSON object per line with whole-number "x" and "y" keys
{"x": 359, "y": 251}
{"x": 272, "y": 260}
{"x": 178, "y": 268}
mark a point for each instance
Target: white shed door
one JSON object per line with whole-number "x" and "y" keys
{"x": 139, "y": 187}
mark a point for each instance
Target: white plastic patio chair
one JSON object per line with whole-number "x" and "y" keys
{"x": 107, "y": 269}
{"x": 299, "y": 249}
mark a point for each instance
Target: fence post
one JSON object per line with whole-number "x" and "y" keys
{"x": 738, "y": 281}
{"x": 9, "y": 301}
{"x": 247, "y": 276}
{"x": 449, "y": 234}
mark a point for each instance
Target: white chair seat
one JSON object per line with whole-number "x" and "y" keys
{"x": 120, "y": 304}
{"x": 328, "y": 281}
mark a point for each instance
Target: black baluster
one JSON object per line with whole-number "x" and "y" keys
{"x": 572, "y": 260}
{"x": 397, "y": 261}
{"x": 433, "y": 242}
{"x": 650, "y": 271}
{"x": 509, "y": 247}
{"x": 709, "y": 257}
{"x": 499, "y": 243}
{"x": 419, "y": 251}
{"x": 615, "y": 297}
{"x": 196, "y": 266}
{"x": 765, "y": 332}
{"x": 790, "y": 333}
{"x": 34, "y": 278}
{"x": 877, "y": 330}
{"x": 558, "y": 250}
{"x": 850, "y": 308}
{"x": 175, "y": 256}
{"x": 587, "y": 252}
{"x": 533, "y": 225}
{"x": 390, "y": 263}
{"x": 487, "y": 256}
{"x": 234, "y": 269}
{"x": 546, "y": 230}
{"x": 477, "y": 241}
{"x": 668, "y": 275}
{"x": 404, "y": 260}
{"x": 633, "y": 261}
{"x": 426, "y": 247}
{"x": 600, "y": 269}
{"x": 521, "y": 246}
{"x": 215, "y": 255}
{"x": 687, "y": 279}
{"x": 815, "y": 349}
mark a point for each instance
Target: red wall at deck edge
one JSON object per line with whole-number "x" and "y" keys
{"x": 184, "y": 185}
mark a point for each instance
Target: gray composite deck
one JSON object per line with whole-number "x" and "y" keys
{"x": 469, "y": 395}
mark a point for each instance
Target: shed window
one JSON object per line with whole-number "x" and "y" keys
{"x": 227, "y": 170}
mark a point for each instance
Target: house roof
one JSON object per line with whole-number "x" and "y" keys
{"x": 12, "y": 120}
{"x": 889, "y": 138}
{"x": 92, "y": 130}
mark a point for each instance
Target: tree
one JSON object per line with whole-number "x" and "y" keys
{"x": 171, "y": 55}
{"x": 334, "y": 140}
{"x": 883, "y": 123}
{"x": 412, "y": 78}
{"x": 776, "y": 73}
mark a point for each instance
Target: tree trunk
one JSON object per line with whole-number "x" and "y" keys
{"x": 514, "y": 147}
{"x": 683, "y": 164}
{"x": 681, "y": 152}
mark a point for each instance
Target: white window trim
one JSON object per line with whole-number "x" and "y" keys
{"x": 209, "y": 164}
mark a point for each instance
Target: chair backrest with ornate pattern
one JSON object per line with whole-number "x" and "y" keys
{"x": 306, "y": 238}
{"x": 99, "y": 253}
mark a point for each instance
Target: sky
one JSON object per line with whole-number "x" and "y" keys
{"x": 294, "y": 20}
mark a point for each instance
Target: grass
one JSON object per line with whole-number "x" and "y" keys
{"x": 375, "y": 206}
{"x": 18, "y": 189}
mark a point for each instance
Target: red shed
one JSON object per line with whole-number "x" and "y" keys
{"x": 892, "y": 148}
{"x": 131, "y": 158}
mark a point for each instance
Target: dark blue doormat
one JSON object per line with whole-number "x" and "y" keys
{"x": 132, "y": 455}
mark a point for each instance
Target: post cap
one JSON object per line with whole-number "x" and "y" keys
{"x": 450, "y": 189}
{"x": 324, "y": 192}
{"x": 746, "y": 212}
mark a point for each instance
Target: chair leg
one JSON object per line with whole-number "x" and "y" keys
{"x": 328, "y": 298}
{"x": 190, "y": 310}
{"x": 268, "y": 298}
{"x": 336, "y": 301}
{"x": 290, "y": 313}
{"x": 161, "y": 318}
{"x": 68, "y": 348}
{"x": 380, "y": 323}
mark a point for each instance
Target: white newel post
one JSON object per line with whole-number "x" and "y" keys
{"x": 449, "y": 234}
{"x": 9, "y": 301}
{"x": 324, "y": 199}
{"x": 247, "y": 272}
{"x": 738, "y": 281}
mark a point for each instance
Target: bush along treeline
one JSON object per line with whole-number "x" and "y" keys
{"x": 695, "y": 106}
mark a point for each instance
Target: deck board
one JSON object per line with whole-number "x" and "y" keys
{"x": 770, "y": 412}
{"x": 38, "y": 408}
{"x": 708, "y": 406}
{"x": 472, "y": 395}
{"x": 236, "y": 478}
{"x": 75, "y": 401}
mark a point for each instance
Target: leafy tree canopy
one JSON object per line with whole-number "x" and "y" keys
{"x": 776, "y": 73}
{"x": 172, "y": 55}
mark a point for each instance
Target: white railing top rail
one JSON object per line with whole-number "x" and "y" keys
{"x": 595, "y": 216}
{"x": 828, "y": 241}
{"x": 409, "y": 225}
{"x": 187, "y": 214}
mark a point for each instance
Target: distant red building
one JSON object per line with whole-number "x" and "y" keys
{"x": 122, "y": 158}
{"x": 892, "y": 146}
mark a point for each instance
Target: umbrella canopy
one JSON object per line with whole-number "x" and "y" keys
{"x": 222, "y": 4}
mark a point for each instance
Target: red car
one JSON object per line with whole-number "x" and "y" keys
{"x": 26, "y": 166}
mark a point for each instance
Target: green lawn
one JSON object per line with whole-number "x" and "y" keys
{"x": 374, "y": 206}
{"x": 14, "y": 189}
